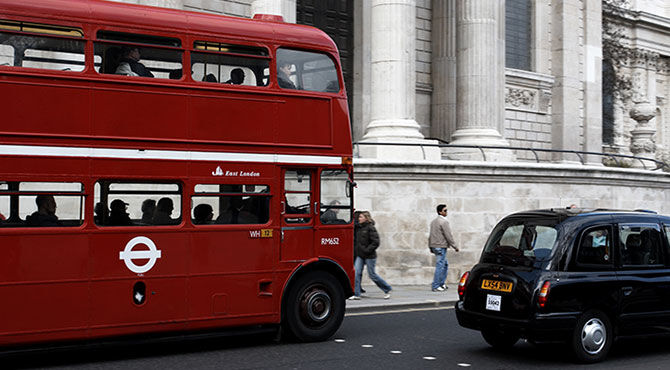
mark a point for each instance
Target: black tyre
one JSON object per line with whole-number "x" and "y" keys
{"x": 314, "y": 307}
{"x": 592, "y": 337}
{"x": 500, "y": 339}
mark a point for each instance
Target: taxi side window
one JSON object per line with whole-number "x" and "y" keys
{"x": 595, "y": 247}
{"x": 640, "y": 245}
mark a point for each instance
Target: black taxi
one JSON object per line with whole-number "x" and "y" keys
{"x": 578, "y": 276}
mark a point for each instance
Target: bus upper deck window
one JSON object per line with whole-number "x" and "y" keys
{"x": 230, "y": 64}
{"x": 303, "y": 70}
{"x": 138, "y": 55}
{"x": 41, "y": 46}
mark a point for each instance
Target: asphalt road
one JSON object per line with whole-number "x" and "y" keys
{"x": 428, "y": 339}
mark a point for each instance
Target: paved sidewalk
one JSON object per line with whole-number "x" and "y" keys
{"x": 402, "y": 297}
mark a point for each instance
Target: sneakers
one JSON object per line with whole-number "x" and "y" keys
{"x": 444, "y": 286}
{"x": 439, "y": 289}
{"x": 387, "y": 295}
{"x": 355, "y": 298}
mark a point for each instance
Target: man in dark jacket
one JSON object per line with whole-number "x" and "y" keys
{"x": 130, "y": 64}
{"x": 46, "y": 212}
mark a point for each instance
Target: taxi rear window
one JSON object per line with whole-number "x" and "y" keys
{"x": 520, "y": 242}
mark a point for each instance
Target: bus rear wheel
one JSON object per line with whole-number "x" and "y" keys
{"x": 314, "y": 307}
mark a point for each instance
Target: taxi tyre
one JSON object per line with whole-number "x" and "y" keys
{"x": 500, "y": 339}
{"x": 592, "y": 337}
{"x": 314, "y": 307}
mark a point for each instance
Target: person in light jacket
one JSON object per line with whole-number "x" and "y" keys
{"x": 365, "y": 246}
{"x": 439, "y": 240}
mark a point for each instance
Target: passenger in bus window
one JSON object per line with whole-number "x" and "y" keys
{"x": 46, "y": 212}
{"x": 175, "y": 74}
{"x": 210, "y": 78}
{"x": 203, "y": 214}
{"x": 239, "y": 212}
{"x": 236, "y": 77}
{"x": 118, "y": 215}
{"x": 163, "y": 215}
{"x": 284, "y": 76}
{"x": 130, "y": 63}
{"x": 148, "y": 210}
{"x": 101, "y": 213}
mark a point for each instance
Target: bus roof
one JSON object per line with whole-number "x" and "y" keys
{"x": 158, "y": 19}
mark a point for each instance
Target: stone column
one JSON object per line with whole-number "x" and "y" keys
{"x": 480, "y": 80}
{"x": 285, "y": 8}
{"x": 393, "y": 84}
{"x": 443, "y": 120}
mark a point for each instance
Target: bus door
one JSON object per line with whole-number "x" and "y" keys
{"x": 297, "y": 215}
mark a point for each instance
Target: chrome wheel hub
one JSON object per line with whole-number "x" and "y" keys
{"x": 594, "y": 336}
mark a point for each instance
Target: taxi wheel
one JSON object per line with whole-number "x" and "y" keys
{"x": 500, "y": 339}
{"x": 592, "y": 337}
{"x": 314, "y": 307}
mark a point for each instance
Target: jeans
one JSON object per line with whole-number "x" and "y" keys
{"x": 441, "y": 267}
{"x": 358, "y": 266}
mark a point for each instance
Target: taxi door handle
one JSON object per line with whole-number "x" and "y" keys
{"x": 627, "y": 290}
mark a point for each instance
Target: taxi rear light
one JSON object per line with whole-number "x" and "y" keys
{"x": 544, "y": 294}
{"x": 461, "y": 284}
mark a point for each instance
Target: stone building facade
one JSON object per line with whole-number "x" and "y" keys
{"x": 503, "y": 73}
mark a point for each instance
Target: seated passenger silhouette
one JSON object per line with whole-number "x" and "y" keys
{"x": 118, "y": 215}
{"x": 46, "y": 212}
{"x": 163, "y": 214}
{"x": 209, "y": 78}
{"x": 148, "y": 210}
{"x": 284, "y": 76}
{"x": 101, "y": 213}
{"x": 202, "y": 214}
{"x": 236, "y": 77}
{"x": 239, "y": 212}
{"x": 130, "y": 63}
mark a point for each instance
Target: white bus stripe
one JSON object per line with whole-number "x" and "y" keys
{"x": 179, "y": 155}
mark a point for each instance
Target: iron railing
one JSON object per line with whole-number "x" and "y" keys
{"x": 580, "y": 154}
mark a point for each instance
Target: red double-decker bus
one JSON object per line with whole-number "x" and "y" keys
{"x": 165, "y": 170}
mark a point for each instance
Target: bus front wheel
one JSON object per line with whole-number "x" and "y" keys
{"x": 314, "y": 307}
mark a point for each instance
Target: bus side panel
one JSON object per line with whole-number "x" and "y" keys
{"x": 44, "y": 286}
{"x": 224, "y": 118}
{"x": 113, "y": 306}
{"x": 231, "y": 275}
{"x": 305, "y": 121}
{"x": 55, "y": 108}
{"x": 139, "y": 112}
{"x": 336, "y": 243}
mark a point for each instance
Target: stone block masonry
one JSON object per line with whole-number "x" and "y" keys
{"x": 402, "y": 199}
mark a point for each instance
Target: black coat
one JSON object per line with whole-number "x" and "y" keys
{"x": 366, "y": 241}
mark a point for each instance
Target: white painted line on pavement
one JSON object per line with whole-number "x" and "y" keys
{"x": 396, "y": 352}
{"x": 429, "y": 358}
{"x": 340, "y": 340}
{"x": 367, "y": 345}
{"x": 397, "y": 311}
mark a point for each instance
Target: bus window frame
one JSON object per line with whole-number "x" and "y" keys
{"x": 83, "y": 39}
{"x": 192, "y": 49}
{"x": 274, "y": 71}
{"x": 193, "y": 194}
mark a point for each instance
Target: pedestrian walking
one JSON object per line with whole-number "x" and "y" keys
{"x": 439, "y": 240}
{"x": 365, "y": 246}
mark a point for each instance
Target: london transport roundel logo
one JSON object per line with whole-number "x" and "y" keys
{"x": 128, "y": 254}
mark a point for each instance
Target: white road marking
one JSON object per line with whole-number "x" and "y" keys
{"x": 340, "y": 340}
{"x": 367, "y": 345}
{"x": 462, "y": 364}
{"x": 429, "y": 358}
{"x": 398, "y": 311}
{"x": 396, "y": 352}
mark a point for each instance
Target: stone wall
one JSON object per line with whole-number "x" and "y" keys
{"x": 402, "y": 199}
